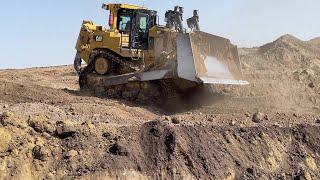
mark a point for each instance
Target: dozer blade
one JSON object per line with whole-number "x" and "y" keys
{"x": 208, "y": 59}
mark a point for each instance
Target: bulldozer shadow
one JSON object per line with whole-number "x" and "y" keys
{"x": 197, "y": 98}
{"x": 88, "y": 94}
{"x": 193, "y": 99}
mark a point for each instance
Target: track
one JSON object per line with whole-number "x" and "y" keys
{"x": 151, "y": 92}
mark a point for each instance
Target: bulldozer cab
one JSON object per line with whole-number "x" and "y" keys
{"x": 133, "y": 22}
{"x": 135, "y": 25}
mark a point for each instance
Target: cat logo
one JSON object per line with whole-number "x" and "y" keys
{"x": 98, "y": 38}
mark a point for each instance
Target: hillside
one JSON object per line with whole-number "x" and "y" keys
{"x": 315, "y": 42}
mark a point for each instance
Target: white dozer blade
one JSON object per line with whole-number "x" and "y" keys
{"x": 208, "y": 59}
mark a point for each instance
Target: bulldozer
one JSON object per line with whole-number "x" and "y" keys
{"x": 137, "y": 58}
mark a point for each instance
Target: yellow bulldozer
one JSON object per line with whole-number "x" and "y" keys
{"x": 137, "y": 58}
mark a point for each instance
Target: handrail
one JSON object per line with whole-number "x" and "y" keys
{"x": 121, "y": 42}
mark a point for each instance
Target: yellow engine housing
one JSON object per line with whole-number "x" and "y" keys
{"x": 94, "y": 37}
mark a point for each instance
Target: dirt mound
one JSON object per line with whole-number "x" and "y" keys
{"x": 315, "y": 42}
{"x": 50, "y": 148}
{"x": 290, "y": 51}
{"x": 266, "y": 130}
{"x": 284, "y": 75}
{"x": 20, "y": 93}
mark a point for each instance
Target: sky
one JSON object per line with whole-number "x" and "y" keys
{"x": 44, "y": 32}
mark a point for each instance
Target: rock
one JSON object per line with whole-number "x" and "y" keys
{"x": 155, "y": 132}
{"x": 230, "y": 175}
{"x": 15, "y": 152}
{"x": 308, "y": 72}
{"x": 262, "y": 135}
{"x": 311, "y": 162}
{"x": 245, "y": 66}
{"x": 10, "y": 164}
{"x": 41, "y": 153}
{"x": 213, "y": 116}
{"x": 49, "y": 128}
{"x": 3, "y": 121}
{"x": 232, "y": 123}
{"x": 247, "y": 114}
{"x": 5, "y": 138}
{"x": 104, "y": 165}
{"x": 167, "y": 118}
{"x": 117, "y": 149}
{"x": 46, "y": 135}
{"x": 39, "y": 141}
{"x": 72, "y": 153}
{"x": 89, "y": 125}
{"x": 7, "y": 114}
{"x": 106, "y": 135}
{"x": 295, "y": 115}
{"x": 318, "y": 120}
{"x": 276, "y": 124}
{"x": 41, "y": 124}
{"x": 311, "y": 85}
{"x": 5, "y": 106}
{"x": 210, "y": 119}
{"x": 176, "y": 120}
{"x": 64, "y": 130}
{"x": 250, "y": 171}
{"x": 296, "y": 75}
{"x": 50, "y": 176}
{"x": 61, "y": 173}
{"x": 238, "y": 163}
{"x": 3, "y": 166}
{"x": 228, "y": 138}
{"x": 258, "y": 117}
{"x": 303, "y": 174}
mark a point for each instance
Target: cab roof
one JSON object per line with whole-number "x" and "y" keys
{"x": 121, "y": 6}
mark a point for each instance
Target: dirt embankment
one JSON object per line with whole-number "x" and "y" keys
{"x": 50, "y": 130}
{"x": 315, "y": 42}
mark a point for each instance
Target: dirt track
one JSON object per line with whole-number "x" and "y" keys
{"x": 49, "y": 129}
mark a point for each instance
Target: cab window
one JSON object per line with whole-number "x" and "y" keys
{"x": 143, "y": 23}
{"x": 125, "y": 23}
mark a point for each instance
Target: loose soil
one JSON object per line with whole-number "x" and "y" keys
{"x": 266, "y": 130}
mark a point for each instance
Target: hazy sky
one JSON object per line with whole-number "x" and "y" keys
{"x": 44, "y": 32}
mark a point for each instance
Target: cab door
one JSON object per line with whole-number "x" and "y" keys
{"x": 140, "y": 31}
